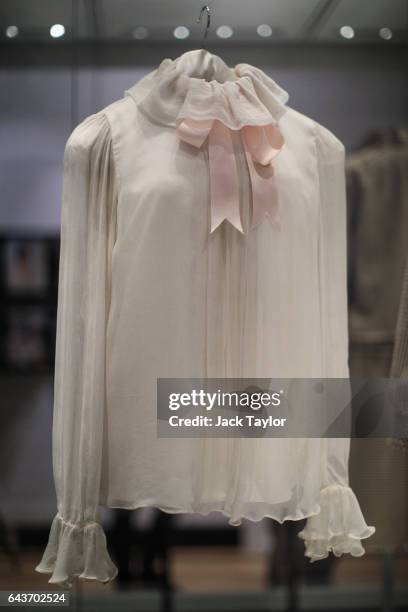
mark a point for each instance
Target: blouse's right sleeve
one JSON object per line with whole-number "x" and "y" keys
{"x": 340, "y": 526}
{"x": 77, "y": 543}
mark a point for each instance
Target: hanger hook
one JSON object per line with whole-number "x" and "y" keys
{"x": 207, "y": 27}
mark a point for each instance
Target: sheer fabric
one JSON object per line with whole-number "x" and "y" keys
{"x": 77, "y": 543}
{"x": 146, "y": 292}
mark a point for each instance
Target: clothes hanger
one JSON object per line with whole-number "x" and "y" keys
{"x": 206, "y": 9}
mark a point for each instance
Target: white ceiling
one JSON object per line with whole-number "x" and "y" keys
{"x": 291, "y": 20}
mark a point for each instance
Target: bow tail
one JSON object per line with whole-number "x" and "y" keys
{"x": 264, "y": 193}
{"x": 223, "y": 178}
{"x": 262, "y": 144}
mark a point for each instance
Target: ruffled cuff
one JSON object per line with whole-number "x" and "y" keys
{"x": 76, "y": 550}
{"x": 339, "y": 527}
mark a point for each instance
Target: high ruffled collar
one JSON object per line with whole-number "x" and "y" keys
{"x": 200, "y": 85}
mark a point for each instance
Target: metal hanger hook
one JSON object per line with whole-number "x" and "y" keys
{"x": 207, "y": 9}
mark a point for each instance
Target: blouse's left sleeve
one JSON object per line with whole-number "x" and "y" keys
{"x": 77, "y": 543}
{"x": 340, "y": 526}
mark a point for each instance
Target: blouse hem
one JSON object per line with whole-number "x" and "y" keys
{"x": 327, "y": 497}
{"x": 235, "y": 522}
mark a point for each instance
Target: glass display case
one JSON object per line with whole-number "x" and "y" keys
{"x": 344, "y": 65}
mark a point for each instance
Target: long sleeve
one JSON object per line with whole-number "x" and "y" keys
{"x": 340, "y": 526}
{"x": 77, "y": 543}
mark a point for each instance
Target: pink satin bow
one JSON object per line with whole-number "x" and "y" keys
{"x": 261, "y": 144}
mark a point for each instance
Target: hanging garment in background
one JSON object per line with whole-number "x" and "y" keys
{"x": 386, "y": 138}
{"x": 203, "y": 234}
{"x": 377, "y": 199}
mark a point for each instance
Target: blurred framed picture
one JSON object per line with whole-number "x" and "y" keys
{"x": 26, "y": 266}
{"x": 28, "y": 337}
{"x": 28, "y": 302}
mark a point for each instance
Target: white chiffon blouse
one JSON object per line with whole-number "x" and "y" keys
{"x": 150, "y": 287}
